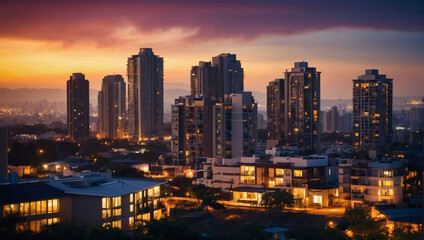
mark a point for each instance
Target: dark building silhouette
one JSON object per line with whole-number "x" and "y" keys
{"x": 112, "y": 107}
{"x": 302, "y": 107}
{"x": 3, "y": 154}
{"x": 145, "y": 95}
{"x": 78, "y": 107}
{"x": 330, "y": 120}
{"x": 224, "y": 75}
{"x": 230, "y": 73}
{"x": 204, "y": 81}
{"x": 372, "y": 113}
{"x": 275, "y": 110}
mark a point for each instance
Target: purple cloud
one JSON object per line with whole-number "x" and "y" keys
{"x": 73, "y": 21}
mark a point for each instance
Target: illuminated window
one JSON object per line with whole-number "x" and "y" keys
{"x": 116, "y": 201}
{"x": 55, "y": 205}
{"x": 131, "y": 221}
{"x": 116, "y": 224}
{"x": 297, "y": 173}
{"x": 131, "y": 197}
{"x": 132, "y": 208}
{"x": 247, "y": 179}
{"x": 33, "y": 208}
{"x": 271, "y": 172}
{"x": 24, "y": 209}
{"x": 106, "y": 213}
{"x": 279, "y": 181}
{"x": 387, "y": 173}
{"x": 156, "y": 191}
{"x": 43, "y": 207}
{"x": 385, "y": 192}
{"x": 116, "y": 212}
{"x": 383, "y": 183}
{"x": 317, "y": 199}
{"x": 279, "y": 171}
{"x": 105, "y": 202}
{"x": 299, "y": 193}
{"x": 247, "y": 170}
{"x": 157, "y": 214}
{"x": 50, "y": 206}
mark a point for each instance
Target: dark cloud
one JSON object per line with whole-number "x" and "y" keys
{"x": 72, "y": 21}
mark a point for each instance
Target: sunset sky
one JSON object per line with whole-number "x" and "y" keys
{"x": 43, "y": 42}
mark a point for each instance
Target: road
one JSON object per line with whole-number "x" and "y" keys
{"x": 329, "y": 212}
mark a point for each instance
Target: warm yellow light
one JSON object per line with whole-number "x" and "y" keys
{"x": 41, "y": 151}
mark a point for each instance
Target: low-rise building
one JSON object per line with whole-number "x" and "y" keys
{"x": 376, "y": 182}
{"x": 35, "y": 203}
{"x": 310, "y": 179}
{"x": 220, "y": 173}
{"x": 94, "y": 198}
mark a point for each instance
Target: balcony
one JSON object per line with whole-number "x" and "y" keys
{"x": 357, "y": 196}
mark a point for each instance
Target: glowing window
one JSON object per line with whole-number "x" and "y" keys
{"x": 297, "y": 173}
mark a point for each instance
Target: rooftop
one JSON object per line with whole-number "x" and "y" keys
{"x": 28, "y": 192}
{"x": 408, "y": 215}
{"x": 114, "y": 187}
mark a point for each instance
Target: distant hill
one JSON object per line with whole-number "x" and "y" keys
{"x": 172, "y": 91}
{"x": 33, "y": 95}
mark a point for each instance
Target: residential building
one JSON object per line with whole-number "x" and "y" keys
{"x": 78, "y": 107}
{"x": 331, "y": 120}
{"x": 95, "y": 198}
{"x": 4, "y": 147}
{"x": 204, "y": 81}
{"x": 376, "y": 182}
{"x": 230, "y": 74}
{"x": 192, "y": 128}
{"x": 235, "y": 126}
{"x": 220, "y": 173}
{"x": 345, "y": 122}
{"x": 302, "y": 107}
{"x": 112, "y": 107}
{"x": 372, "y": 113}
{"x": 345, "y": 174}
{"x": 275, "y": 110}
{"x": 36, "y": 203}
{"x": 145, "y": 95}
{"x": 311, "y": 179}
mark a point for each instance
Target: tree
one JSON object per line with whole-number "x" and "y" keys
{"x": 406, "y": 234}
{"x": 318, "y": 233}
{"x": 127, "y": 172}
{"x": 363, "y": 226}
{"x": 179, "y": 186}
{"x": 165, "y": 229}
{"x": 278, "y": 199}
{"x": 208, "y": 195}
{"x": 107, "y": 233}
{"x": 8, "y": 224}
{"x": 67, "y": 230}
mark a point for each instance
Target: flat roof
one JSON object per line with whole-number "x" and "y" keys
{"x": 408, "y": 215}
{"x": 116, "y": 187}
{"x": 28, "y": 192}
{"x": 276, "y": 230}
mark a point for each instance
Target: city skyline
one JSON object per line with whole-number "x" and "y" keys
{"x": 340, "y": 44}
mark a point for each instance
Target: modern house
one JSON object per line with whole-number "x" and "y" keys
{"x": 94, "y": 198}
